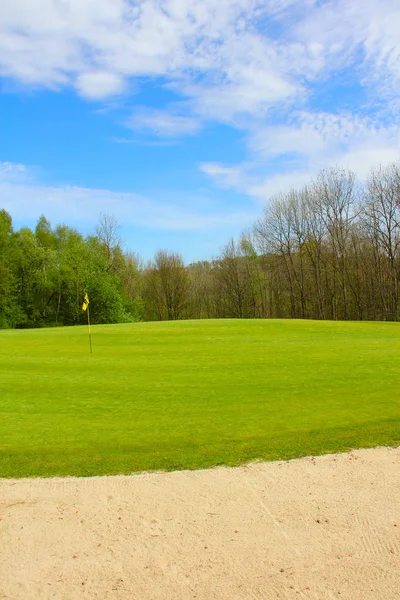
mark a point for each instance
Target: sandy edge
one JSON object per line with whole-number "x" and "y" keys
{"x": 316, "y": 527}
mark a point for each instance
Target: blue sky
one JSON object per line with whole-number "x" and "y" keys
{"x": 183, "y": 117}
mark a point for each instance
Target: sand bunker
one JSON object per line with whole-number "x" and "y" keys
{"x": 326, "y": 527}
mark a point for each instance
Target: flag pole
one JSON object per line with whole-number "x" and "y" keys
{"x": 85, "y": 306}
{"x": 90, "y": 333}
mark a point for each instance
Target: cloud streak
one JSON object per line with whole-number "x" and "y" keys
{"x": 26, "y": 198}
{"x": 286, "y": 156}
{"x": 163, "y": 123}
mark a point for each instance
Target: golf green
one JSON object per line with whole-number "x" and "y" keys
{"x": 192, "y": 394}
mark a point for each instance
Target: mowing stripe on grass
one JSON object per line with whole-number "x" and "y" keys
{"x": 192, "y": 394}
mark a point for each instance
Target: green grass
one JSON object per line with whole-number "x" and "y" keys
{"x": 193, "y": 394}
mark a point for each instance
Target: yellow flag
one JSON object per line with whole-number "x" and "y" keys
{"x": 85, "y": 302}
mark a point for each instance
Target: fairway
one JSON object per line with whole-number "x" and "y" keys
{"x": 193, "y": 394}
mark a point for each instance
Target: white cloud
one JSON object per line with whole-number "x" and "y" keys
{"x": 280, "y": 182}
{"x": 142, "y": 142}
{"x": 11, "y": 171}
{"x": 53, "y": 43}
{"x": 163, "y": 123}
{"x": 26, "y": 198}
{"x": 233, "y": 44}
{"x": 99, "y": 84}
{"x": 228, "y": 58}
{"x": 320, "y": 135}
{"x": 252, "y": 64}
{"x": 226, "y": 177}
{"x": 298, "y": 151}
{"x": 366, "y": 34}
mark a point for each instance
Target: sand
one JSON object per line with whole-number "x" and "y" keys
{"x": 325, "y": 527}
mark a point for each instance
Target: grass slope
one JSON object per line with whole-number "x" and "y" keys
{"x": 192, "y": 394}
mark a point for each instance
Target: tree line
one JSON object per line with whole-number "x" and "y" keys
{"x": 330, "y": 250}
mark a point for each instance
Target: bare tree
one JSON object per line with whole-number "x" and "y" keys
{"x": 108, "y": 234}
{"x": 382, "y": 216}
{"x": 337, "y": 201}
{"x": 231, "y": 280}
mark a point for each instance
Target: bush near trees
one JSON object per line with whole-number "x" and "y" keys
{"x": 328, "y": 251}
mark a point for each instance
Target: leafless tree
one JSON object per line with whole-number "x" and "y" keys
{"x": 108, "y": 234}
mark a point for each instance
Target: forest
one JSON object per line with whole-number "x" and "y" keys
{"x": 330, "y": 250}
